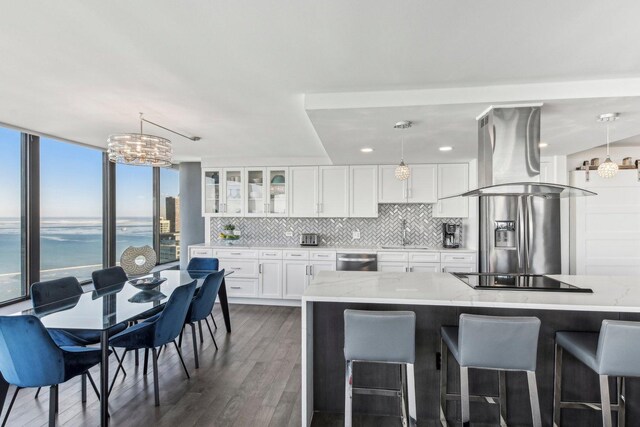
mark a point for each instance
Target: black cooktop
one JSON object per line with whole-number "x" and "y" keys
{"x": 517, "y": 282}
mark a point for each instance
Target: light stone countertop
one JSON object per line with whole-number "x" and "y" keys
{"x": 408, "y": 248}
{"x": 610, "y": 293}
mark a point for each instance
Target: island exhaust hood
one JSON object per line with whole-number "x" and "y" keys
{"x": 509, "y": 155}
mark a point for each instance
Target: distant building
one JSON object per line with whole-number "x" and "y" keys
{"x": 169, "y": 247}
{"x": 173, "y": 213}
{"x": 165, "y": 226}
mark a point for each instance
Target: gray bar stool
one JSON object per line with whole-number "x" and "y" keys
{"x": 614, "y": 352}
{"x": 382, "y": 337}
{"x": 490, "y": 342}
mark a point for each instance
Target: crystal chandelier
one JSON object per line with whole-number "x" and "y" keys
{"x": 402, "y": 172}
{"x": 608, "y": 168}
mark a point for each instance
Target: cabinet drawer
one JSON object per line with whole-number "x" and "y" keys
{"x": 424, "y": 256}
{"x": 240, "y": 268}
{"x": 237, "y": 253}
{"x": 458, "y": 268}
{"x": 201, "y": 253}
{"x": 425, "y": 267}
{"x": 393, "y": 267}
{"x": 393, "y": 257}
{"x": 270, "y": 254}
{"x": 322, "y": 255}
{"x": 296, "y": 255}
{"x": 242, "y": 287}
{"x": 458, "y": 258}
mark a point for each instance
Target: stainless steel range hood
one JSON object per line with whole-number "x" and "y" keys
{"x": 509, "y": 155}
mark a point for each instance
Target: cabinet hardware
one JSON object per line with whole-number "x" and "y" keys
{"x": 235, "y": 287}
{"x": 236, "y": 268}
{"x": 457, "y": 257}
{"x": 259, "y": 268}
{"x": 236, "y": 253}
{"x": 311, "y": 270}
{"x": 296, "y": 254}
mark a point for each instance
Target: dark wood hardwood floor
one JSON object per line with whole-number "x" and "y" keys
{"x": 252, "y": 380}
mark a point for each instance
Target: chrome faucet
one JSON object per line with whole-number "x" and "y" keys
{"x": 403, "y": 230}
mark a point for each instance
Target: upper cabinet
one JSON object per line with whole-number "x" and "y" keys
{"x": 363, "y": 191}
{"x": 266, "y": 192}
{"x": 303, "y": 191}
{"x": 222, "y": 193}
{"x": 421, "y": 187}
{"x": 333, "y": 191}
{"x": 452, "y": 179}
{"x": 390, "y": 189}
{"x": 211, "y": 192}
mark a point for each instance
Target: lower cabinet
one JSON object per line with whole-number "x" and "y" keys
{"x": 433, "y": 267}
{"x": 316, "y": 267}
{"x": 238, "y": 287}
{"x": 392, "y": 266}
{"x": 270, "y": 279}
{"x": 458, "y": 268}
{"x": 296, "y": 278}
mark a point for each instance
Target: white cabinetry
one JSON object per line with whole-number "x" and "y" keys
{"x": 296, "y": 278}
{"x": 390, "y": 189}
{"x": 333, "y": 191}
{"x": 270, "y": 278}
{"x": 222, "y": 192}
{"x": 452, "y": 179}
{"x": 303, "y": 192}
{"x": 265, "y": 192}
{"x": 363, "y": 191}
{"x": 422, "y": 185}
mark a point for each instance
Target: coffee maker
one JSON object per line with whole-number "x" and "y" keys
{"x": 451, "y": 236}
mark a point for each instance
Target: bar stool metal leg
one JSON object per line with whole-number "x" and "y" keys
{"x": 533, "y": 398}
{"x": 444, "y": 355}
{"x": 464, "y": 396}
{"x": 348, "y": 395}
{"x": 606, "y": 400}
{"x": 557, "y": 386}
{"x": 502, "y": 396}
{"x": 411, "y": 395}
{"x": 622, "y": 397}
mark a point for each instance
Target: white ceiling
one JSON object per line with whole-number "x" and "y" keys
{"x": 236, "y": 73}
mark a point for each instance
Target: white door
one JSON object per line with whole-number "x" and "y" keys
{"x": 212, "y": 192}
{"x": 457, "y": 268}
{"x": 423, "y": 184}
{"x": 425, "y": 268}
{"x": 390, "y": 189}
{"x": 393, "y": 267}
{"x": 255, "y": 190}
{"x": 296, "y": 278}
{"x": 316, "y": 267}
{"x": 233, "y": 192}
{"x": 333, "y": 191}
{"x": 452, "y": 179}
{"x": 363, "y": 191}
{"x": 303, "y": 191}
{"x": 278, "y": 190}
{"x": 270, "y": 279}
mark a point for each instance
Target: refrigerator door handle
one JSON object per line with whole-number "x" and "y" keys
{"x": 519, "y": 233}
{"x": 528, "y": 231}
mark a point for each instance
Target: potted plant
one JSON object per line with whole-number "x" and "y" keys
{"x": 228, "y": 234}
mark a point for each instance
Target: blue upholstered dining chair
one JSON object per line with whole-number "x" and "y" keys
{"x": 201, "y": 307}
{"x": 30, "y": 358}
{"x": 204, "y": 264}
{"x": 159, "y": 330}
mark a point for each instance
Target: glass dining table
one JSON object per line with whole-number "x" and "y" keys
{"x": 101, "y": 310}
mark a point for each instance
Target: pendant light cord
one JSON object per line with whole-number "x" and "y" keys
{"x": 402, "y": 149}
{"x": 607, "y": 140}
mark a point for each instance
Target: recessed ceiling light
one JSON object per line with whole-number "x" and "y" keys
{"x": 543, "y": 144}
{"x": 366, "y": 149}
{"x": 446, "y": 148}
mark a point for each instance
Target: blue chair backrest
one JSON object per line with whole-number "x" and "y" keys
{"x": 202, "y": 264}
{"x": 618, "y": 351}
{"x": 203, "y": 302}
{"x": 172, "y": 318}
{"x": 108, "y": 277}
{"x": 28, "y": 355}
{"x": 52, "y": 295}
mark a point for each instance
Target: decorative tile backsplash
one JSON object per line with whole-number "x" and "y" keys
{"x": 422, "y": 228}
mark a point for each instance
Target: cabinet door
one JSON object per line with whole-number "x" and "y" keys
{"x": 546, "y": 172}
{"x": 316, "y": 267}
{"x": 278, "y": 186}
{"x": 425, "y": 267}
{"x": 363, "y": 191}
{"x": 295, "y": 278}
{"x": 452, "y": 179}
{"x": 255, "y": 190}
{"x": 458, "y": 268}
{"x": 423, "y": 184}
{"x": 390, "y": 189}
{"x": 333, "y": 191}
{"x": 303, "y": 192}
{"x": 212, "y": 192}
{"x": 393, "y": 267}
{"x": 270, "y": 279}
{"x": 233, "y": 192}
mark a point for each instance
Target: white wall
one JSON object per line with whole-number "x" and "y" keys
{"x": 470, "y": 230}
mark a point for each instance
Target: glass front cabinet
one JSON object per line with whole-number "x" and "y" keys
{"x": 266, "y": 192}
{"x": 222, "y": 193}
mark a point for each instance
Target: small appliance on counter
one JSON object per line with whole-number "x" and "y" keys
{"x": 309, "y": 239}
{"x": 451, "y": 236}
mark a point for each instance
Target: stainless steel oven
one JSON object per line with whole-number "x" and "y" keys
{"x": 357, "y": 262}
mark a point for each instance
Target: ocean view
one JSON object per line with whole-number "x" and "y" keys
{"x": 68, "y": 246}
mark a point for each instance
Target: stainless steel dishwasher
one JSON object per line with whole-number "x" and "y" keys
{"x": 357, "y": 262}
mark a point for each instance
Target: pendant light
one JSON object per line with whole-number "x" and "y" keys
{"x": 608, "y": 168}
{"x": 402, "y": 172}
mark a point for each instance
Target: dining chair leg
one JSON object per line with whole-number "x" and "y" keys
{"x": 53, "y": 391}
{"x": 213, "y": 320}
{"x": 13, "y": 399}
{"x": 211, "y": 333}
{"x": 120, "y": 367}
{"x": 57, "y": 399}
{"x": 606, "y": 400}
{"x": 200, "y": 328}
{"x": 137, "y": 362}
{"x": 37, "y": 392}
{"x": 195, "y": 344}
{"x": 146, "y": 361}
{"x": 181, "y": 359}
{"x": 120, "y": 361}
{"x": 156, "y": 389}
{"x": 180, "y": 339}
{"x": 93, "y": 385}
{"x": 83, "y": 386}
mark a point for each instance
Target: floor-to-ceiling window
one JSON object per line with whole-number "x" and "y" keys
{"x": 70, "y": 210}
{"x": 134, "y": 207}
{"x": 11, "y": 286}
{"x": 169, "y": 221}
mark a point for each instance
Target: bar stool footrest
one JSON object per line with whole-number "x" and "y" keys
{"x": 377, "y": 391}
{"x": 494, "y": 400}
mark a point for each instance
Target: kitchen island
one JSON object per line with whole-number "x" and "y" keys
{"x": 439, "y": 299}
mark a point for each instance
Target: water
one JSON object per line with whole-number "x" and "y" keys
{"x": 68, "y": 246}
